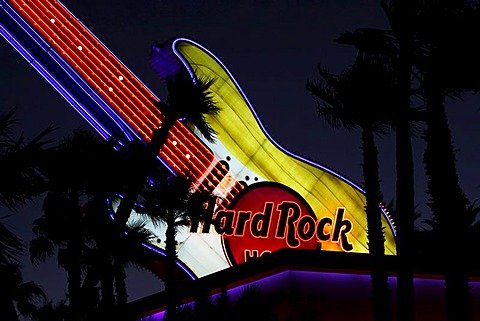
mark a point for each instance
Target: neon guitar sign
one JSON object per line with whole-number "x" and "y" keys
{"x": 117, "y": 104}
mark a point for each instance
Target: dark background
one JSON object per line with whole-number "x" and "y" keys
{"x": 271, "y": 47}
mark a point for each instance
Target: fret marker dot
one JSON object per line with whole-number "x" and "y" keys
{"x": 110, "y": 89}
{"x": 174, "y": 143}
{"x": 120, "y": 78}
{"x": 52, "y": 20}
{"x": 187, "y": 156}
{"x": 80, "y": 48}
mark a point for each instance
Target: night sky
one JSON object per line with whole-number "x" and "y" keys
{"x": 271, "y": 47}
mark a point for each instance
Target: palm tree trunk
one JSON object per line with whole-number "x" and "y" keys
{"x": 89, "y": 295}
{"x": 405, "y": 225}
{"x": 170, "y": 281}
{"x": 74, "y": 274}
{"x": 128, "y": 201}
{"x": 160, "y": 136}
{"x": 447, "y": 202}
{"x": 119, "y": 278}
{"x": 106, "y": 284}
{"x": 405, "y": 184}
{"x": 74, "y": 281}
{"x": 376, "y": 240}
{"x": 126, "y": 205}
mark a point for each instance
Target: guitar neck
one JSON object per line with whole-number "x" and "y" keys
{"x": 118, "y": 88}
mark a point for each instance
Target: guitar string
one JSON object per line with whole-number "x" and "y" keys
{"x": 90, "y": 39}
{"x": 103, "y": 76}
{"x": 85, "y": 75}
{"x": 192, "y": 155}
{"x": 105, "y": 67}
{"x": 199, "y": 152}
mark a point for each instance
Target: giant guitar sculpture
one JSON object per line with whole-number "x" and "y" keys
{"x": 271, "y": 198}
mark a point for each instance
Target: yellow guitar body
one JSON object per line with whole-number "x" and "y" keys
{"x": 254, "y": 157}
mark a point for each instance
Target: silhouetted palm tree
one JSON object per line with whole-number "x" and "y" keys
{"x": 11, "y": 247}
{"x": 449, "y": 66}
{"x": 72, "y": 169}
{"x": 188, "y": 101}
{"x": 109, "y": 245}
{"x": 61, "y": 227}
{"x": 19, "y": 159}
{"x": 359, "y": 98}
{"x": 81, "y": 168}
{"x": 400, "y": 14}
{"x": 17, "y": 295}
{"x": 405, "y": 118}
{"x": 52, "y": 311}
{"x": 173, "y": 203}
{"x": 21, "y": 182}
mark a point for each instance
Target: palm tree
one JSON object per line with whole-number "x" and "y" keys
{"x": 52, "y": 311}
{"x": 76, "y": 223}
{"x": 132, "y": 252}
{"x": 60, "y": 227}
{"x": 68, "y": 170}
{"x": 11, "y": 247}
{"x": 78, "y": 169}
{"x": 17, "y": 295}
{"x": 21, "y": 182}
{"x": 399, "y": 14}
{"x": 174, "y": 202}
{"x": 188, "y": 101}
{"x": 108, "y": 246}
{"x": 448, "y": 65}
{"x": 390, "y": 47}
{"x": 357, "y": 99}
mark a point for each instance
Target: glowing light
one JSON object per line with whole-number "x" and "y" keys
{"x": 131, "y": 106}
{"x": 252, "y": 154}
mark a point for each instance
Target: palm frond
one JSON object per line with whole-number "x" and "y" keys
{"x": 190, "y": 100}
{"x": 11, "y": 246}
{"x": 19, "y": 164}
{"x": 41, "y": 248}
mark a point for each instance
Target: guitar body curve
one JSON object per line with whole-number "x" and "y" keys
{"x": 253, "y": 156}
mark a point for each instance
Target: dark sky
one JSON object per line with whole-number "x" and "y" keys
{"x": 271, "y": 47}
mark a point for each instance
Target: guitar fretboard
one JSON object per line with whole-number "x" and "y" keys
{"x": 122, "y": 91}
